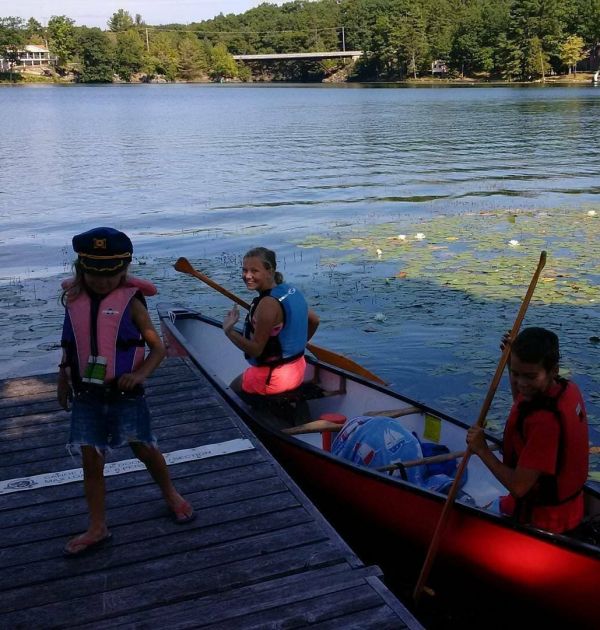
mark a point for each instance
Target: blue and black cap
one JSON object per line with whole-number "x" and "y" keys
{"x": 103, "y": 251}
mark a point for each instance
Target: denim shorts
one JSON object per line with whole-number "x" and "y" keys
{"x": 104, "y": 424}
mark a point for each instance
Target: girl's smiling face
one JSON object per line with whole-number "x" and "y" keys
{"x": 256, "y": 276}
{"x": 530, "y": 379}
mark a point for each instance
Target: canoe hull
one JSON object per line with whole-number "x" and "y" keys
{"x": 553, "y": 577}
{"x": 552, "y": 572}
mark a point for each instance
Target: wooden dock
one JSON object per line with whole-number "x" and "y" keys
{"x": 259, "y": 555}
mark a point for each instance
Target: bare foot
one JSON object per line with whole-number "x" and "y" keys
{"x": 181, "y": 510}
{"x": 86, "y": 543}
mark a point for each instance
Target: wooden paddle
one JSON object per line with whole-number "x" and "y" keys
{"x": 432, "y": 459}
{"x": 323, "y": 354}
{"x": 318, "y": 426}
{"x": 394, "y": 413}
{"x": 435, "y": 541}
{"x": 314, "y": 426}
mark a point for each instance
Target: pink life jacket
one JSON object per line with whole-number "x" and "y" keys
{"x": 118, "y": 339}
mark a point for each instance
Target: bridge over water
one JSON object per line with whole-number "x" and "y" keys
{"x": 351, "y": 54}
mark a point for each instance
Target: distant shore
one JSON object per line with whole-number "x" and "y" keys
{"x": 579, "y": 78}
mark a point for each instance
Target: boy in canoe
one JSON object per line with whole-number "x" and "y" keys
{"x": 545, "y": 449}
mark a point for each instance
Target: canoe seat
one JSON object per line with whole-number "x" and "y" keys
{"x": 291, "y": 406}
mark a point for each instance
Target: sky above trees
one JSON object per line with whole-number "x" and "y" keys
{"x": 97, "y": 12}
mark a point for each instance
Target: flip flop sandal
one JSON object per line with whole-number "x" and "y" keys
{"x": 87, "y": 548}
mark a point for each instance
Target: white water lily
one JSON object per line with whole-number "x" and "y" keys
{"x": 513, "y": 242}
{"x": 379, "y": 317}
{"x": 379, "y": 253}
{"x": 591, "y": 213}
{"x": 401, "y": 237}
{"x": 419, "y": 236}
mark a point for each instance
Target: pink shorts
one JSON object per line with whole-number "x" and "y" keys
{"x": 283, "y": 378}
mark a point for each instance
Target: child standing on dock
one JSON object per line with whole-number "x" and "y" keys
{"x": 102, "y": 371}
{"x": 545, "y": 448}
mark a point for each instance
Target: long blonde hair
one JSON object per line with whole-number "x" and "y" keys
{"x": 73, "y": 288}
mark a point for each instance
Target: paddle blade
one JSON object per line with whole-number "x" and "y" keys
{"x": 184, "y": 265}
{"x": 344, "y": 363}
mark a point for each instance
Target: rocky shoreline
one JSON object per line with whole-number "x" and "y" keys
{"x": 39, "y": 75}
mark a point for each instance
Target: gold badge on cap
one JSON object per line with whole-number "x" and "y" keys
{"x": 99, "y": 243}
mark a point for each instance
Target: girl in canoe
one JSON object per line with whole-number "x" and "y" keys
{"x": 545, "y": 448}
{"x": 277, "y": 328}
{"x": 102, "y": 371}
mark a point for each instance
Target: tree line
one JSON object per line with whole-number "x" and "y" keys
{"x": 513, "y": 40}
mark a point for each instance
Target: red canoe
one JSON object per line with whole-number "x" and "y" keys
{"x": 556, "y": 573}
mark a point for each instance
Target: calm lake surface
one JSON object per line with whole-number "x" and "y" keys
{"x": 327, "y": 176}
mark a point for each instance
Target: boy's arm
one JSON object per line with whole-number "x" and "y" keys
{"x": 141, "y": 319}
{"x": 518, "y": 481}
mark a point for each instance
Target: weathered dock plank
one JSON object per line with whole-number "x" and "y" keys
{"x": 259, "y": 555}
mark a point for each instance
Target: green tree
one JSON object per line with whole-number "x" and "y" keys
{"x": 475, "y": 37}
{"x": 129, "y": 54}
{"x": 508, "y": 60}
{"x": 536, "y": 60}
{"x": 583, "y": 18}
{"x": 96, "y": 54}
{"x": 385, "y": 47}
{"x": 121, "y": 20}
{"x": 12, "y": 38}
{"x": 193, "y": 61}
{"x": 529, "y": 19}
{"x": 62, "y": 39}
{"x": 244, "y": 73}
{"x": 414, "y": 45}
{"x": 35, "y": 32}
{"x": 572, "y": 51}
{"x": 163, "y": 58}
{"x": 222, "y": 64}
{"x": 440, "y": 22}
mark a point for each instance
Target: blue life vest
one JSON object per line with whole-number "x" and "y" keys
{"x": 290, "y": 342}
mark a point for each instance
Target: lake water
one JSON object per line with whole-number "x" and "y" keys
{"x": 330, "y": 177}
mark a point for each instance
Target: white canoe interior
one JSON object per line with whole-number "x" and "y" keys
{"x": 223, "y": 362}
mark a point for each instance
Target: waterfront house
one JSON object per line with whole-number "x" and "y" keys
{"x": 30, "y": 55}
{"x": 439, "y": 68}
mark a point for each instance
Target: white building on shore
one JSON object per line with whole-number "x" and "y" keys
{"x": 30, "y": 55}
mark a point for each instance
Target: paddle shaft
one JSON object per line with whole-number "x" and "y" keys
{"x": 394, "y": 413}
{"x": 320, "y": 426}
{"x": 323, "y": 354}
{"x": 432, "y": 459}
{"x": 315, "y": 426}
{"x": 435, "y": 541}
{"x": 211, "y": 283}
